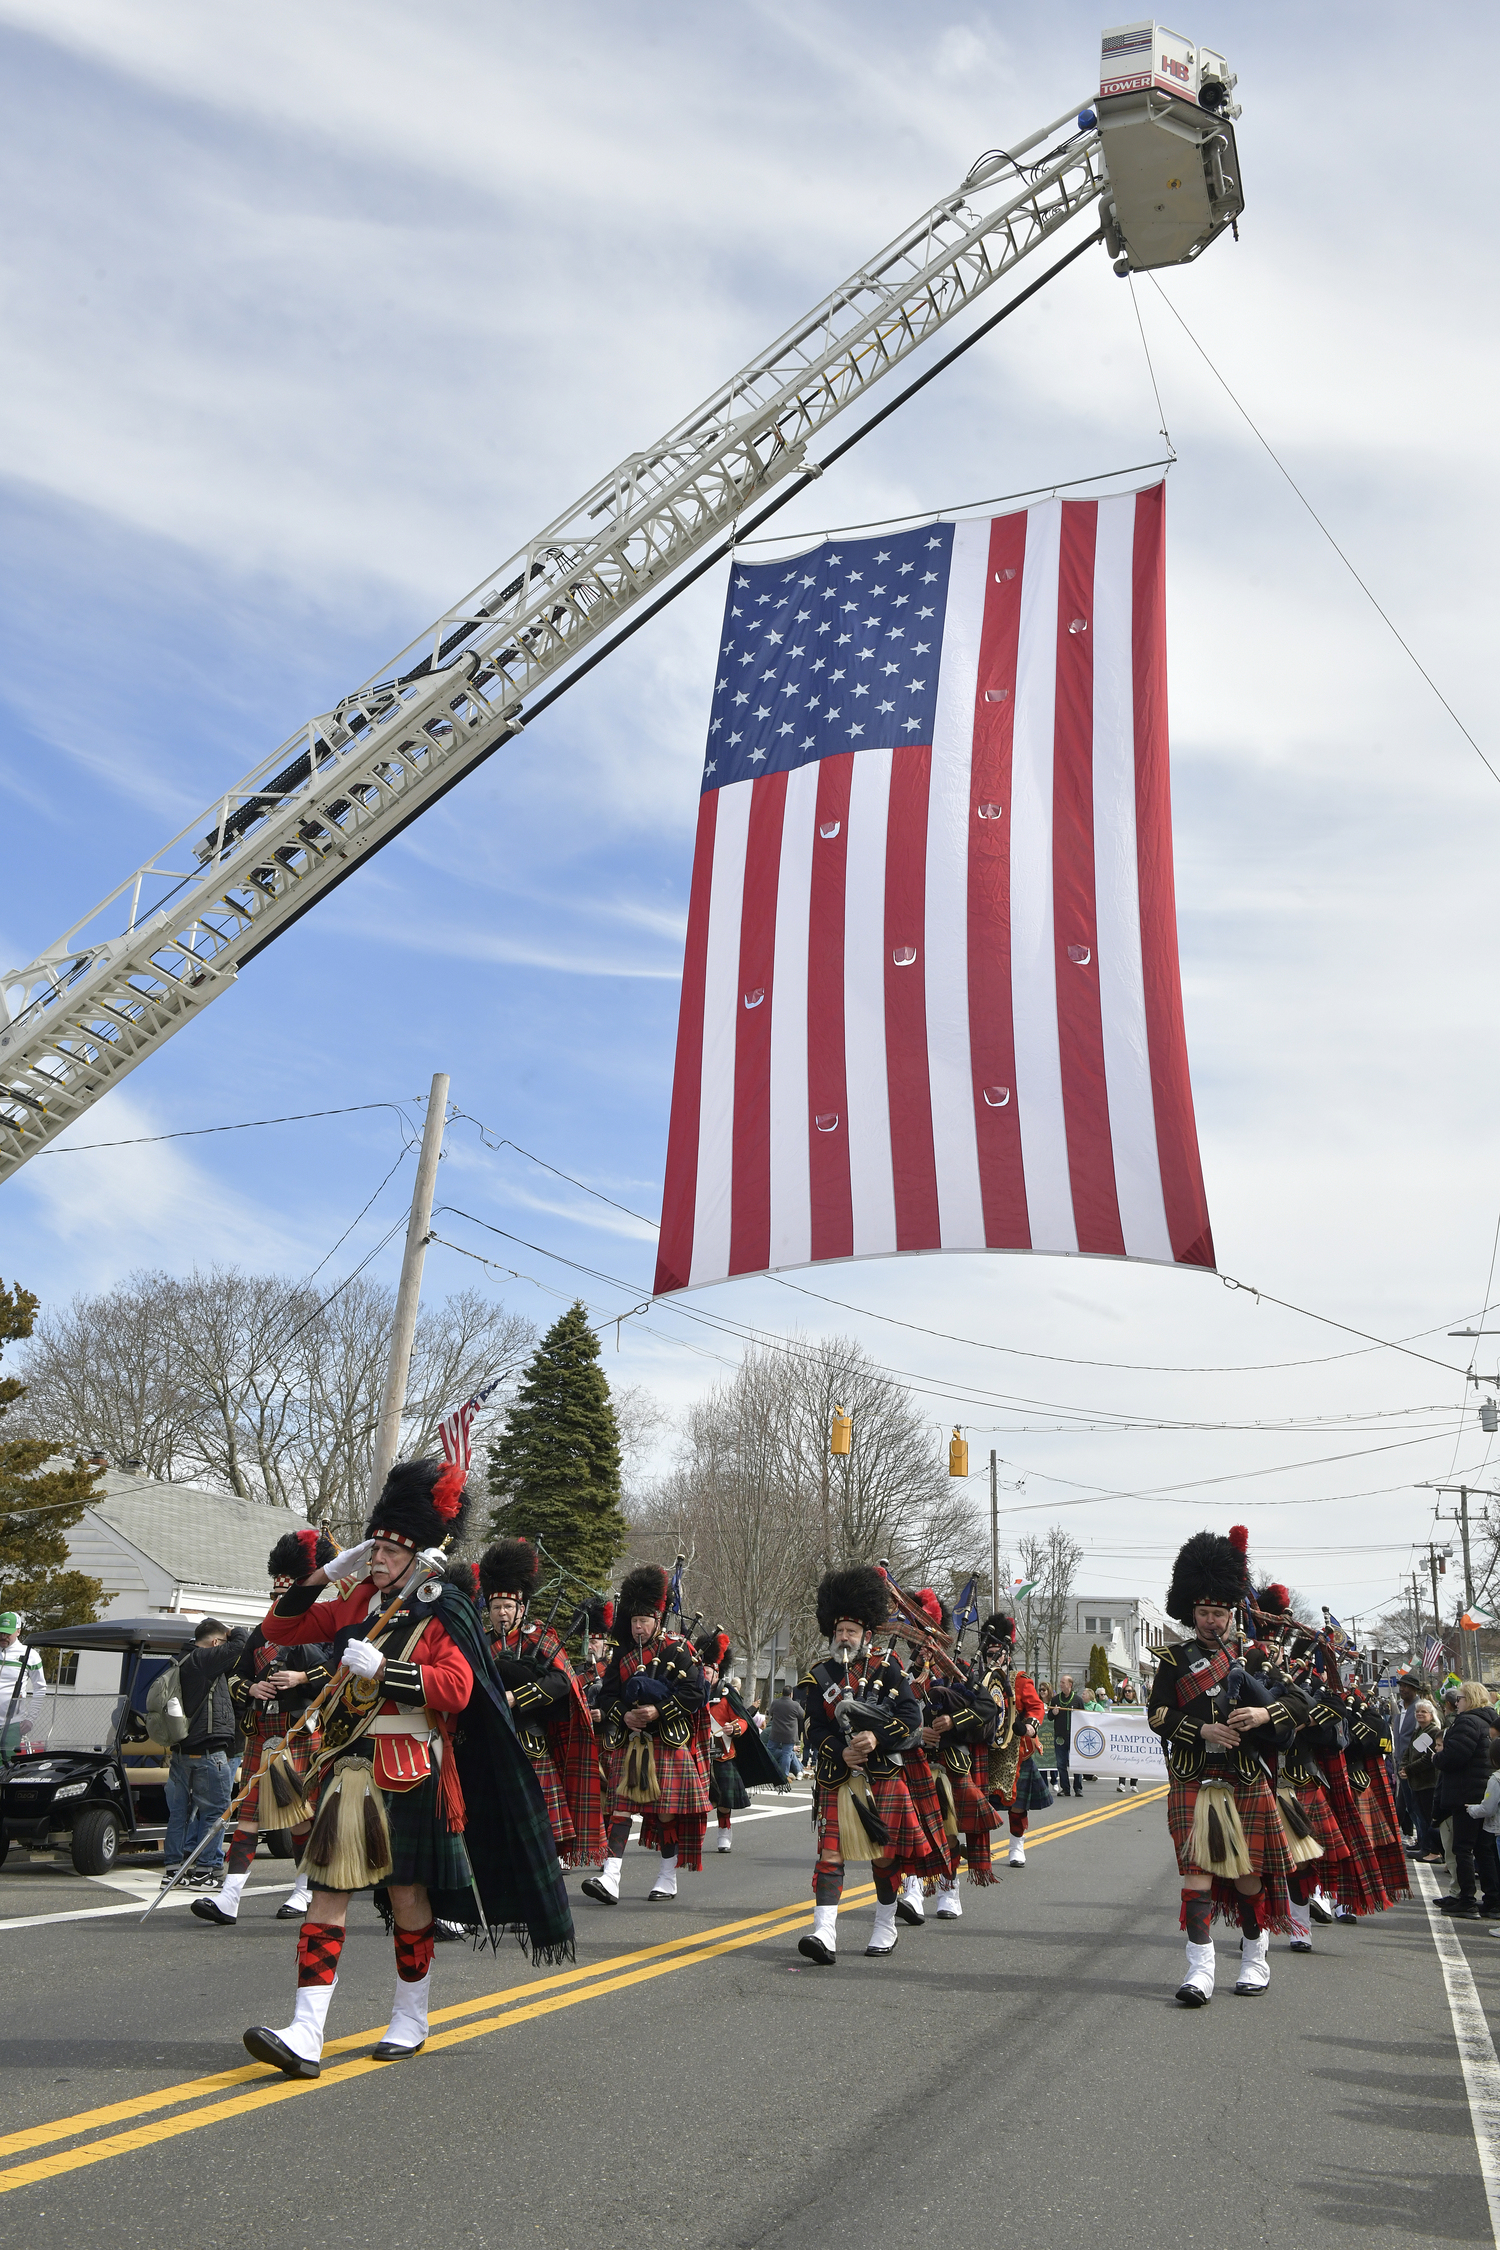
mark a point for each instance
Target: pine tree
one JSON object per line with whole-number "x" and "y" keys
{"x": 555, "y": 1471}
{"x": 1099, "y": 1679}
{"x": 37, "y": 1507}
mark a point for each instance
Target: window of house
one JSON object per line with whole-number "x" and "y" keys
{"x": 1106, "y": 1625}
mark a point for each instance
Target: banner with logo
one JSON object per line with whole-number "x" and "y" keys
{"x": 1116, "y": 1742}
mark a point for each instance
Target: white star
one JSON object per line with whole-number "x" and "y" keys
{"x": 736, "y": 613}
{"x": 847, "y": 606}
{"x": 874, "y": 590}
{"x": 854, "y": 576}
{"x": 803, "y": 615}
{"x": 774, "y": 639}
{"x": 756, "y": 756}
{"x": 716, "y": 726}
{"x": 905, "y": 567}
{"x": 933, "y": 543}
{"x": 913, "y": 687}
{"x": 861, "y": 691}
{"x": 867, "y": 652}
{"x": 809, "y": 582}
{"x": 742, "y": 581}
{"x": 835, "y": 559}
{"x": 794, "y": 652}
{"x": 911, "y": 722}
{"x": 734, "y": 738}
{"x": 747, "y": 660}
{"x": 789, "y": 688}
{"x": 764, "y": 712}
{"x": 830, "y": 713}
{"x": 791, "y": 574}
{"x": 813, "y": 701}
{"x": 711, "y": 767}
{"x": 768, "y": 675}
{"x": 895, "y": 634}
{"x": 926, "y": 613}
{"x": 787, "y": 729}
{"x": 761, "y": 600}
{"x": 720, "y": 685}
{"x": 884, "y": 555}
{"x": 853, "y": 731}
{"x": 869, "y": 621}
{"x": 889, "y": 668}
{"x": 885, "y": 707}
{"x": 828, "y": 593}
{"x": 742, "y": 697}
{"x": 921, "y": 648}
{"x": 819, "y": 664}
{"x": 807, "y": 743}
{"x": 836, "y": 675}
{"x": 825, "y": 627}
{"x": 843, "y": 640}
{"x": 901, "y": 601}
{"x": 929, "y": 578}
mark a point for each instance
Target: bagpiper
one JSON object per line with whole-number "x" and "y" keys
{"x": 1212, "y": 1716}
{"x": 1011, "y": 1764}
{"x": 439, "y": 1820}
{"x": 959, "y": 1722}
{"x": 551, "y": 1710}
{"x": 270, "y": 1687}
{"x": 738, "y": 1761}
{"x": 651, "y": 1723}
{"x": 860, "y": 1713}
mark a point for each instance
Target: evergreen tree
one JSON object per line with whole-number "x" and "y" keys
{"x": 1098, "y": 1675}
{"x": 555, "y": 1471}
{"x": 38, "y": 1506}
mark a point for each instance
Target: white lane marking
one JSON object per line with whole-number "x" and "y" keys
{"x": 1476, "y": 2049}
{"x": 137, "y": 1906}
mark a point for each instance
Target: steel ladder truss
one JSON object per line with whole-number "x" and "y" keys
{"x": 93, "y": 1005}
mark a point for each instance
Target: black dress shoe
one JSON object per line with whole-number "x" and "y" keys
{"x": 286, "y": 1913}
{"x": 1461, "y": 1909}
{"x": 880, "y": 1952}
{"x": 209, "y": 1910}
{"x": 593, "y": 1888}
{"x": 1318, "y": 1910}
{"x": 911, "y": 1915}
{"x": 388, "y": 2051}
{"x": 813, "y": 1949}
{"x": 1190, "y": 1996}
{"x": 267, "y": 2048}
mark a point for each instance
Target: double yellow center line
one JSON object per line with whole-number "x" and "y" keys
{"x": 218, "y": 2100}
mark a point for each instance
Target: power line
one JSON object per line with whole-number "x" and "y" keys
{"x": 1384, "y": 617}
{"x": 242, "y": 1125}
{"x": 494, "y": 1140}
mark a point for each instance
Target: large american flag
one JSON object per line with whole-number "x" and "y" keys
{"x": 931, "y": 997}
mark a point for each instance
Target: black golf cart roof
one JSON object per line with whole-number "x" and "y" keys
{"x": 167, "y": 1636}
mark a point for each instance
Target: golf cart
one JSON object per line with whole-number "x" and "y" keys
{"x": 80, "y": 1770}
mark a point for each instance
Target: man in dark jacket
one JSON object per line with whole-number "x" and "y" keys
{"x": 201, "y": 1778}
{"x": 1463, "y": 1769}
{"x": 1060, "y": 1711}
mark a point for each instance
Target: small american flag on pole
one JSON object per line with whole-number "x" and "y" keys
{"x": 931, "y": 997}
{"x": 453, "y": 1430}
{"x": 1434, "y": 1655}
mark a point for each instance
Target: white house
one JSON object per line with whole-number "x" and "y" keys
{"x": 1131, "y": 1629}
{"x": 178, "y": 1548}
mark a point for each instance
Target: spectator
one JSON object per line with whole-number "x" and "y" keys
{"x": 1127, "y": 1693}
{"x": 1066, "y": 1701}
{"x": 1486, "y": 1813}
{"x": 1463, "y": 1768}
{"x": 1419, "y": 1776}
{"x": 201, "y": 1777}
{"x": 19, "y": 1666}
{"x": 784, "y": 1732}
{"x": 1403, "y": 1728}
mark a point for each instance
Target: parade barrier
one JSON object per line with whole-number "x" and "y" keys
{"x": 1116, "y": 1742}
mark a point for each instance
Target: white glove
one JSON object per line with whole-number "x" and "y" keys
{"x": 353, "y": 1563}
{"x": 363, "y": 1659}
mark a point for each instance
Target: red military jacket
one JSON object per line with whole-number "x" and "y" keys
{"x": 433, "y": 1676}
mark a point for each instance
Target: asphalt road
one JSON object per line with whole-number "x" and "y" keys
{"x": 1023, "y": 2071}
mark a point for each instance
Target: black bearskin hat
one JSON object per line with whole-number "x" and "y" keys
{"x": 599, "y": 1615}
{"x": 511, "y": 1566}
{"x": 642, "y": 1590}
{"x": 999, "y": 1627}
{"x": 1273, "y": 1601}
{"x": 859, "y": 1592}
{"x": 465, "y": 1576}
{"x": 713, "y": 1648}
{"x": 421, "y": 1504}
{"x": 1209, "y": 1568}
{"x": 297, "y": 1554}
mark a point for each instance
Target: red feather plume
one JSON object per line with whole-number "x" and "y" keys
{"x": 448, "y": 1492}
{"x": 931, "y": 1608}
{"x": 307, "y": 1540}
{"x": 1239, "y": 1537}
{"x": 1280, "y": 1595}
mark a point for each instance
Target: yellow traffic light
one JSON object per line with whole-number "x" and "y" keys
{"x": 841, "y": 1439}
{"x": 958, "y": 1454}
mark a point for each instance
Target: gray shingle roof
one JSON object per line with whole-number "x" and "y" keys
{"x": 203, "y": 1538}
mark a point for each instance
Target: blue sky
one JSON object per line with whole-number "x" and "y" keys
{"x": 313, "y": 316}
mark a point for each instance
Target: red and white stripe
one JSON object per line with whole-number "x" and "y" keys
{"x": 931, "y": 997}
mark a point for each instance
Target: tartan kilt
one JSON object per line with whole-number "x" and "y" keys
{"x": 298, "y": 1750}
{"x": 726, "y": 1791}
{"x": 1312, "y": 1797}
{"x": 682, "y": 1805}
{"x": 1261, "y": 1821}
{"x": 1355, "y": 1881}
{"x": 927, "y": 1801}
{"x": 423, "y": 1850}
{"x": 1390, "y": 1857}
{"x": 910, "y": 1850}
{"x": 544, "y": 1766}
{"x": 688, "y": 1830}
{"x": 976, "y": 1818}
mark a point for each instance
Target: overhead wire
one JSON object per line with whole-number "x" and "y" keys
{"x": 241, "y": 1125}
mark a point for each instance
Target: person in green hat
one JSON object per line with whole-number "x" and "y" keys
{"x": 19, "y": 1667}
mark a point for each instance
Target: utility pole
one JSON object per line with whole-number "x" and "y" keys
{"x": 994, "y": 1531}
{"x": 1461, "y": 1517}
{"x": 409, "y": 1289}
